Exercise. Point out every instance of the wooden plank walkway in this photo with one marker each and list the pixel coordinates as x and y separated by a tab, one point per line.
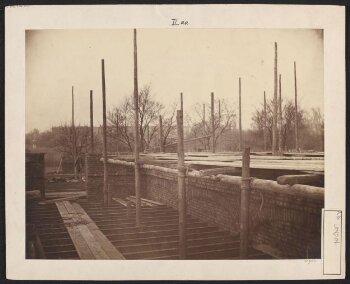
88	240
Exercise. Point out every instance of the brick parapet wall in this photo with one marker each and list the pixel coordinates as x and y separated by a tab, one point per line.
120	179
286	221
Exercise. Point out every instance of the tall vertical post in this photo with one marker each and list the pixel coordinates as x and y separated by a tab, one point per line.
212	123
275	104
280	130
181	185
161	135
91	123
181	102
137	138
117	141
245	193
240	114
203	122
219	113
265	124
296	109
86	167
74	146
106	195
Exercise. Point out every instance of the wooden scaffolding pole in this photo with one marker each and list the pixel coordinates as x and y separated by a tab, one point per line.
245	193
203	121
106	195
161	135
181	102
137	138
117	142
275	108
280	122
181	185
91	123
240	114
265	124
296	109
74	139
212	123
219	113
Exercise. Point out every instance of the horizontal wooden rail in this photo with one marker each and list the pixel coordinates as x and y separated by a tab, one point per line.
299	179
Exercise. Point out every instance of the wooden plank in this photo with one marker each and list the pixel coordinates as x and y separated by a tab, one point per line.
217	171
79	242
60	199
269	162
300	179
60	194
106	245
143	202
93	244
149	200
120	201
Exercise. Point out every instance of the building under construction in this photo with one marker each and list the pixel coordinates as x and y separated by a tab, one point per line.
184	205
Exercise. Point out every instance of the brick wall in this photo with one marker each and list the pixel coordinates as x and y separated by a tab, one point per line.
120	179
287	222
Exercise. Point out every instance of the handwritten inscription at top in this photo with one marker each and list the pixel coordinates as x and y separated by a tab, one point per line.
177	22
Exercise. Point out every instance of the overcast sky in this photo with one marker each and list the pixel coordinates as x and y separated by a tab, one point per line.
193	61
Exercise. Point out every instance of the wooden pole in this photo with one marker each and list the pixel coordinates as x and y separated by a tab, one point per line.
181	102
275	108
245	192
265	124
91	123
181	185
240	114
161	138
296	109
87	176
74	139
205	144
137	138
212	123
106	195
219	113
117	142
280	117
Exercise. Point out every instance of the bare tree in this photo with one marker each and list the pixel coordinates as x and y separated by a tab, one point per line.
120	124
288	123
64	141
224	119
169	125
316	128
121	120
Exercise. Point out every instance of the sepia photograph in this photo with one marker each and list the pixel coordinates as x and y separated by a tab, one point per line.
175	142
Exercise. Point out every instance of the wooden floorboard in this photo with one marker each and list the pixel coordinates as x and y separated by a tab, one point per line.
79	242
106	245
88	240
91	241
